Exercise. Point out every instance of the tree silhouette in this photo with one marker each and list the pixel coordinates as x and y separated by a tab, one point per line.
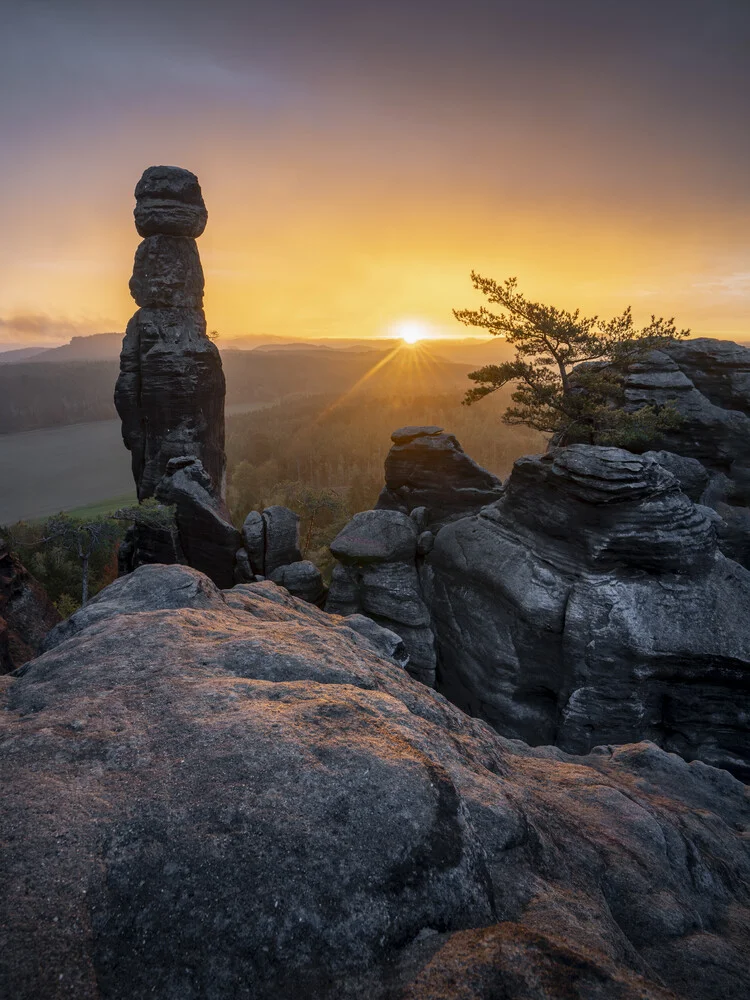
567	373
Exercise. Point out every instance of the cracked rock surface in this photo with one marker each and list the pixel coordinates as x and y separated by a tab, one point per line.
233	794
592	605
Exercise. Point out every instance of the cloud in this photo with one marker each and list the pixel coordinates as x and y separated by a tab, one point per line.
735	284
29	329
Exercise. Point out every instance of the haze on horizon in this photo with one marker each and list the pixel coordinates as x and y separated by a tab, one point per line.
358	160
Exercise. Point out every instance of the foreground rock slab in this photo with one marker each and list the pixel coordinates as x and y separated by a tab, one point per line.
213	795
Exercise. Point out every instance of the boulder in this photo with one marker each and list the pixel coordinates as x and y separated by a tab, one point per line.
207	537
302	579
213	795
378	577
591	605
254	538
168	200
427	468
243	570
281	538
26	612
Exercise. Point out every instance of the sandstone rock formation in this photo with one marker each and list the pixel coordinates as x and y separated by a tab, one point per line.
207	537
588	604
591	605
708	382
377	576
427	468
224	795
302	579
170	397
26	613
170	393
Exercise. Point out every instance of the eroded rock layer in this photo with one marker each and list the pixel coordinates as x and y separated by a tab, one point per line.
377	576
236	795
591	605
170	393
708	382
427	468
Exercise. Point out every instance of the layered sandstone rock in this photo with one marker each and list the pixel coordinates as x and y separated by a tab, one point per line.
708	382
377	576
170	393
427	468
208	539
212	795
591	605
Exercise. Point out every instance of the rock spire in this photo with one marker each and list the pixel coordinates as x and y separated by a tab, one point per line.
170	393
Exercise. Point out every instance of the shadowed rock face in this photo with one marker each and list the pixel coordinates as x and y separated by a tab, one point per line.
708	381
170	393
208	538
428	468
377	576
26	613
168	200
591	605
215	795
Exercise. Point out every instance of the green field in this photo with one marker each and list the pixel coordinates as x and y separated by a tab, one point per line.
81	467
104	507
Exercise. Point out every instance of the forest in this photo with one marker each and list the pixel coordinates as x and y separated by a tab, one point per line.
321	455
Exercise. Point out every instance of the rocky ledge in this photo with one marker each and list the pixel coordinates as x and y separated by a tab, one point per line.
235	794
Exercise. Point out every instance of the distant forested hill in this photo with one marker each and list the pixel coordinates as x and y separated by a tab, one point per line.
51	394
39	394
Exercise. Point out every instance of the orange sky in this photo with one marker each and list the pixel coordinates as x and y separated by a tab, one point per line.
342	199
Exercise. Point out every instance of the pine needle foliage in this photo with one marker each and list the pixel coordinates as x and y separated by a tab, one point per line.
567	375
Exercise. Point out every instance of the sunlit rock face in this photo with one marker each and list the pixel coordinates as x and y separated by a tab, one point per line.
428	468
591	605
170	393
233	794
708	382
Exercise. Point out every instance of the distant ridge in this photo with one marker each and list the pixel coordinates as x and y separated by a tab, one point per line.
97	347
20	354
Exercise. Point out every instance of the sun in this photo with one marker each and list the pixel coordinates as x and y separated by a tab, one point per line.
411	331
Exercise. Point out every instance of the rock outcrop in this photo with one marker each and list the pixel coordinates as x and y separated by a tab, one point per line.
591	605
214	795
377	576
208	539
26	612
708	382
170	393
427	468
170	397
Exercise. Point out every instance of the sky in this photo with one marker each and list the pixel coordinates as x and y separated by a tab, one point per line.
358	160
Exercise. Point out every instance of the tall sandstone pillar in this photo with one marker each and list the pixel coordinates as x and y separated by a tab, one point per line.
170	392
